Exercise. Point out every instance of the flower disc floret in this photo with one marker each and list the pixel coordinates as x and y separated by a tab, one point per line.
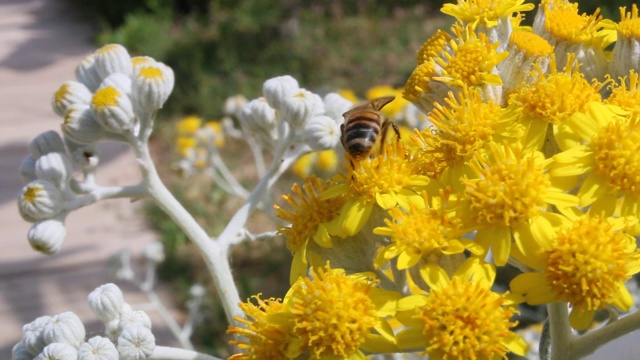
629	26
434	46
531	44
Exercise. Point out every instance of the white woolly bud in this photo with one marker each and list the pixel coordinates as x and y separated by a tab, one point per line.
335	105
152	86
55	168
70	93
19	352
81	126
277	89
28	169
64	328
106	302
32	336
98	348
39	200
233	105
120	81
113	109
300	107
87	73
154	252
136	343
47	142
47	236
258	117
112	329
113	58
134	318
58	351
322	133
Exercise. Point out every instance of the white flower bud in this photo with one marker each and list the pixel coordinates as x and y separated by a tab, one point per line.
70	93
233	105
335	105
154	252
138	62
45	143
32	336
19	352
120	81
113	109
81	126
113	58
152	85
134	318
112	329
106	302
258	117
47	236
58	351
28	169
39	200
55	168
87	73
322	133
98	348
277	89
64	328
136	343
300	107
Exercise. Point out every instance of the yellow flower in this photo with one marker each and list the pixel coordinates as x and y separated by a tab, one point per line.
307	215
188	125
265	338
349	95
423	235
303	166
336	316
327	161
434	46
461	318
386	180
485	12
609	156
186	146
510	188
527	52
626	93
541	105
583	262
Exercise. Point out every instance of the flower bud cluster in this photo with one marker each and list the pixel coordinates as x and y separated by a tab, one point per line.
128	332
112	93
286	110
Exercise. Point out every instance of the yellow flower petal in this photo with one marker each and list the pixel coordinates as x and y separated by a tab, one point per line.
591	189
434	276
534	288
579	319
386	200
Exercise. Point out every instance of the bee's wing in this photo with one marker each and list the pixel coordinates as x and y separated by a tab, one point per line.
372	105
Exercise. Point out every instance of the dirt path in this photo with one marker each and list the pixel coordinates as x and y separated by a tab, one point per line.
41	43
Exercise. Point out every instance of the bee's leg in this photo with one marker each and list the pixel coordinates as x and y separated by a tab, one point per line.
385	128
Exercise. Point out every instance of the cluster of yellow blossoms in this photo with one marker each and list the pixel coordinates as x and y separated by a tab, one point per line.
532	159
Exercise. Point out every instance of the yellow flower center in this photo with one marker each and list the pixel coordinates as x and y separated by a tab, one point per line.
629	27
62	92
433	46
306	212
587	263
616	149
540	100
32	193
265	339
188	125
564	23
531	44
333	312
473	326
108	48
628	98
107	96
418	82
150	73
510	186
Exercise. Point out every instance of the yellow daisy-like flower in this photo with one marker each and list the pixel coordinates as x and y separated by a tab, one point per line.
609	155
626	93
337	316
186	145
462	128
527	52
421	236
542	106
583	262
627	48
386	180
265	338
188	125
510	188
307	215
418	88
303	166
461	318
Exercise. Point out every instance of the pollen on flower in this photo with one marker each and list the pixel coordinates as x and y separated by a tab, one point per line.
333	312
433	46
474	326
150	73
531	44
510	186
587	263
104	97
564	23
265	339
616	150
629	27
418	82
306	212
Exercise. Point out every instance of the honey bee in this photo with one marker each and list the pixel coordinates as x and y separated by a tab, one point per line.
362	126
